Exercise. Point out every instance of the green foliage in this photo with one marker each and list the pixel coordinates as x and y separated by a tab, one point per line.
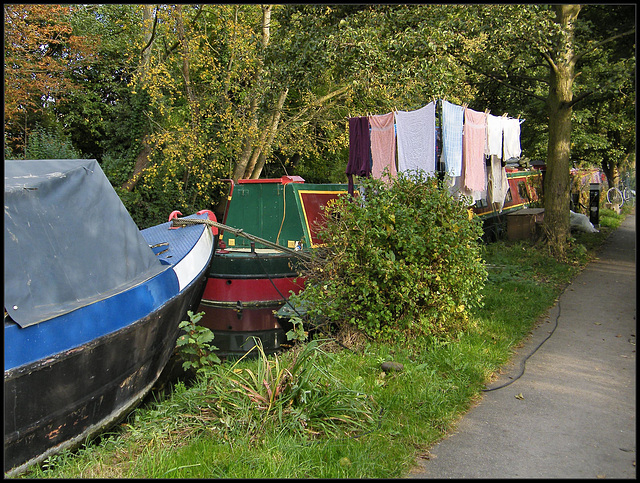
194	346
293	394
177	94
40	49
45	144
297	333
400	263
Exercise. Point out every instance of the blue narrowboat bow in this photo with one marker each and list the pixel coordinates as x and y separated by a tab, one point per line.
92	305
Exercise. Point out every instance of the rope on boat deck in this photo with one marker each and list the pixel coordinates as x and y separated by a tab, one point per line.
240	232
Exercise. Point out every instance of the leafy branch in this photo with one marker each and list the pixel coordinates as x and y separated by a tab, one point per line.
194	346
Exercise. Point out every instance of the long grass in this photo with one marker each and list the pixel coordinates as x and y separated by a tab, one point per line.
322	411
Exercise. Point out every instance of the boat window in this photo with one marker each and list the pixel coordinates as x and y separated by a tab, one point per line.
508	197
522	191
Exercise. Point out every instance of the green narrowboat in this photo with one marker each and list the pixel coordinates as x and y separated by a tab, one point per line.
248	281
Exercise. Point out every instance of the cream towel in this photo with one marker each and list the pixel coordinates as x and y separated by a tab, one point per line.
494	136
511	147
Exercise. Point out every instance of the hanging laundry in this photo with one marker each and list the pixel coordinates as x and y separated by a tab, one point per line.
452	124
511	147
474	141
454	185
475	195
498	183
494	136
359	150
417	139
383	145
456	188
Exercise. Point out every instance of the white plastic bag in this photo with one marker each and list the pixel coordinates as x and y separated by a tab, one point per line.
581	222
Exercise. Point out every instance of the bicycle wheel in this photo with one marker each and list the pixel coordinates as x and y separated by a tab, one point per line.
614	196
629	196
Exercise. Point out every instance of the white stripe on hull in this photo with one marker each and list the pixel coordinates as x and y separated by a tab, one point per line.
195	261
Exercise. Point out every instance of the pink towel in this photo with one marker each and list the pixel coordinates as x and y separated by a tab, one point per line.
474	140
383	145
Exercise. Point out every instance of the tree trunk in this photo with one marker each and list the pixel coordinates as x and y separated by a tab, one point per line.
256	170
610	171
247	147
257	150
142	160
557	178
148	26
191	97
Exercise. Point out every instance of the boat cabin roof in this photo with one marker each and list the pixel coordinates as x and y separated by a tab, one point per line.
68	239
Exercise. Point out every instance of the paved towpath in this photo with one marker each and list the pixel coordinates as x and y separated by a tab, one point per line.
575	414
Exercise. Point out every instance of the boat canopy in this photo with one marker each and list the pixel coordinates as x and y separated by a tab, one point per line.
68	239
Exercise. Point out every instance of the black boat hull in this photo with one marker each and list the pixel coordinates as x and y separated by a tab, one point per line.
60	402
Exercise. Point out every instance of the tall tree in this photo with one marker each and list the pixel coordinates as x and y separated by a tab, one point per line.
562	62
604	126
102	116
40	49
539	52
145	49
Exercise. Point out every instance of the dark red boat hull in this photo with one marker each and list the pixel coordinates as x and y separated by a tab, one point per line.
242	293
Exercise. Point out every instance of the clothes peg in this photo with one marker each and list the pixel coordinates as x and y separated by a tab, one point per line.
487	111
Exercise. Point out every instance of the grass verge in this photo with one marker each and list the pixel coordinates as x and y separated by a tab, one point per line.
329	412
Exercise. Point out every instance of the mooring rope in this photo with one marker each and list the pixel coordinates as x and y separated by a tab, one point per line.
240	232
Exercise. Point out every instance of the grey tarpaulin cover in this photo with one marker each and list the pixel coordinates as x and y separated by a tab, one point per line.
68	239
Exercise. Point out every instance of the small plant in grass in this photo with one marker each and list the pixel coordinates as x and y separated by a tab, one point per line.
292	394
194	345
400	262
297	333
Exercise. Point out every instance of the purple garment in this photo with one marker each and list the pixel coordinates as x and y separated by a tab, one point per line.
359	149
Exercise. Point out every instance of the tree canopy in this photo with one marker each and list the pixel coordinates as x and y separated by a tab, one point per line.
41	52
173	98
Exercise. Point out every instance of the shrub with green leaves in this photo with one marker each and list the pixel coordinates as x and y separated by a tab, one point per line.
400	261
50	144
